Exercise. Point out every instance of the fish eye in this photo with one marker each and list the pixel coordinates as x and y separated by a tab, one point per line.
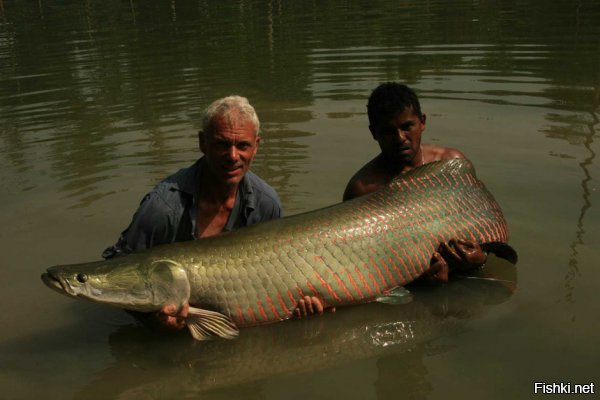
82	278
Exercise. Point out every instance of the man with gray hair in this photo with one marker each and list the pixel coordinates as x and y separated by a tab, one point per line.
217	193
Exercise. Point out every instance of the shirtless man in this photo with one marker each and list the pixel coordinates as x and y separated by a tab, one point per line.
397	124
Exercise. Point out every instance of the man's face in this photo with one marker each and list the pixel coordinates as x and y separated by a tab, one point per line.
229	148
400	138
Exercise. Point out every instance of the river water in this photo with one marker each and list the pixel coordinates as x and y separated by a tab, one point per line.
100	100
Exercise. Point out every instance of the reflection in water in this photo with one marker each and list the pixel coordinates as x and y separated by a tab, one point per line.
126	93
586	193
579	130
573	133
112	85
101	99
151	366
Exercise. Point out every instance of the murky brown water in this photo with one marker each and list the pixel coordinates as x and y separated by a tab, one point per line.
99	100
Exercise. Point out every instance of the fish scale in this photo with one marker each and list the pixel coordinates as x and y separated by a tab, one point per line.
353	252
306	255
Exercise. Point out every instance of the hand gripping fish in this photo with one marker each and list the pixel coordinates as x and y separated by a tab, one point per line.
354	252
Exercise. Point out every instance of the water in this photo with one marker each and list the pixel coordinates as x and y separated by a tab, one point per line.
101	100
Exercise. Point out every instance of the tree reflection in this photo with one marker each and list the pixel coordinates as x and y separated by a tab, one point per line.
94	80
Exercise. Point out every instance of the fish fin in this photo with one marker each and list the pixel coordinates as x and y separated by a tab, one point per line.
501	250
205	324
397	295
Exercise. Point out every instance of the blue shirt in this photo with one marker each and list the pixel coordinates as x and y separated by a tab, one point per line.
168	213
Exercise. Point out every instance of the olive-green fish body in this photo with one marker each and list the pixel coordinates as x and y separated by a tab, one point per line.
354	252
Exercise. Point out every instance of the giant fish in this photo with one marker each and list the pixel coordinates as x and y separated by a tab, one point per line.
358	251
331	343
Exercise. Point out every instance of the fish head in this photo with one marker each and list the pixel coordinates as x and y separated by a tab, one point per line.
125	282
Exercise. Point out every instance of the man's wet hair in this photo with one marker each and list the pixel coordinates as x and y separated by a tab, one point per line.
235	108
389	98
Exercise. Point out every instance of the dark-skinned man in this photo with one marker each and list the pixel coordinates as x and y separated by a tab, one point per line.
397	124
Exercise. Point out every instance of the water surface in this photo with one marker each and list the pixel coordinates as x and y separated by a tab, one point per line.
101	100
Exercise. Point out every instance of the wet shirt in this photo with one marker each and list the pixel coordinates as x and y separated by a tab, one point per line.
168	213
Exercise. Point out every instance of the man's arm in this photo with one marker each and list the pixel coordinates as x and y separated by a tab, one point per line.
149	227
353	189
362	183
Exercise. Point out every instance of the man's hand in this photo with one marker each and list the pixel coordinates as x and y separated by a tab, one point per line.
172	318
309	305
438	270
462	255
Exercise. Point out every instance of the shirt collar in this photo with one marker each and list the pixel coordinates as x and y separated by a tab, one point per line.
191	183
247	191
191	179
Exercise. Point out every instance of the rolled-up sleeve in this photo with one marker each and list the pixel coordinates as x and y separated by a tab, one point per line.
149	227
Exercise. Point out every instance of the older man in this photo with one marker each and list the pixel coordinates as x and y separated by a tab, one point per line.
217	193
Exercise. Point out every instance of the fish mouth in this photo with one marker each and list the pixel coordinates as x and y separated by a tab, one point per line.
53	282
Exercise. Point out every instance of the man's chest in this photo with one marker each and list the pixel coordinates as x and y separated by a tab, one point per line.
211	219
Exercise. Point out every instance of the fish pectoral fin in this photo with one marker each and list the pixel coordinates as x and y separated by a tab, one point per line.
501	250
397	295
206	324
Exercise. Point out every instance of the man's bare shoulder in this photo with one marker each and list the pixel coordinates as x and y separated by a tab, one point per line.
434	152
366	180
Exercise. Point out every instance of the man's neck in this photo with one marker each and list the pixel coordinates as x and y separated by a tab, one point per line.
395	167
216	191
215	204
